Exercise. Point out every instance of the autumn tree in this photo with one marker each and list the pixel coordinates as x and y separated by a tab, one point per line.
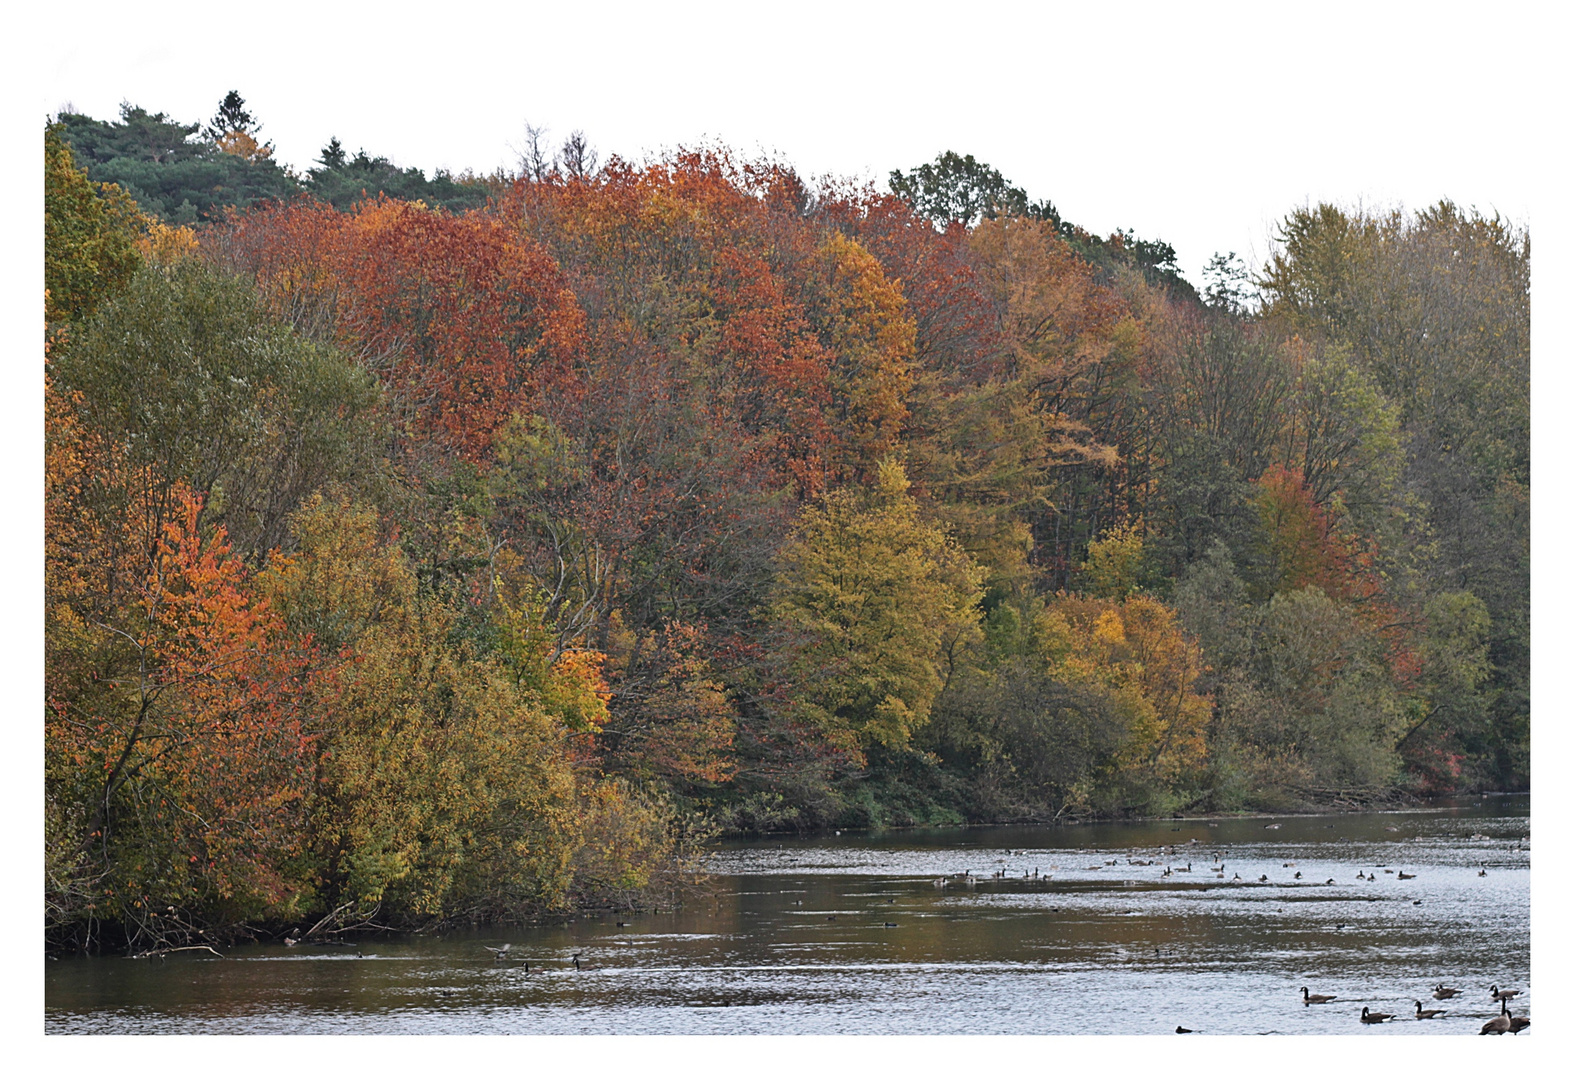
204	390
874	606
177	756
90	235
1435	308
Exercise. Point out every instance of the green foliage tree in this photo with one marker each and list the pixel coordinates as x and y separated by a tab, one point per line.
1322	711
202	387
231	118
343	181
181	180
954	188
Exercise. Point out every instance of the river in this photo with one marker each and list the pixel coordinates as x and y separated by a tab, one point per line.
933	931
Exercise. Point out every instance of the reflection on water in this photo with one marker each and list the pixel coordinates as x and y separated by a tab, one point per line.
1002	930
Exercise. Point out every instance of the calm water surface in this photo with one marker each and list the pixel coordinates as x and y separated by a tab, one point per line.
856	934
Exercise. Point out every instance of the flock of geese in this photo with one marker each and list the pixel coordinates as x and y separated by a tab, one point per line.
1499	1025
1503	1023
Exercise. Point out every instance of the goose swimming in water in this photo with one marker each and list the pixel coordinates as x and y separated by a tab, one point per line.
1444	993
1375	1018
1503	995
1315	999
1428	1014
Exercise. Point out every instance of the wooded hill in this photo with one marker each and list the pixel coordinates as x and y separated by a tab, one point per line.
476	548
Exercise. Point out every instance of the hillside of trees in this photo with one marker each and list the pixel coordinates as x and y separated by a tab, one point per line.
421	550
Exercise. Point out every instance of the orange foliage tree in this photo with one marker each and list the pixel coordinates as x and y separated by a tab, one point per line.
177	760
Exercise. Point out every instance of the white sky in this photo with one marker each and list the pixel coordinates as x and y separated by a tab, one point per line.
1201	124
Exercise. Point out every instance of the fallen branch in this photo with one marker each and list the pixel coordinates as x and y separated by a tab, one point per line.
178	948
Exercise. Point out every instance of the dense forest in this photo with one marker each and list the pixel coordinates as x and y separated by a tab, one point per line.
479	547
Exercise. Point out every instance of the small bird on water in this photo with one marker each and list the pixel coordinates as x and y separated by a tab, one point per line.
500	953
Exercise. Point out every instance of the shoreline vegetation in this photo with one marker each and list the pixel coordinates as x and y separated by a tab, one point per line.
423	551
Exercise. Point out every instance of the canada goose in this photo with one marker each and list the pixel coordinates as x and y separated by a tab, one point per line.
1482	872
1444	993
1371	878
576	959
1329	882
1499	1024
1518	1023
1405	876
1504	995
1276	825
891	924
1188	1031
1428	1014
1374	1018
1236	877
1315	999
1263	877
1298	875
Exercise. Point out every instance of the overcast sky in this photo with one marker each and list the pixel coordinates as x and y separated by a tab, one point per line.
1198	124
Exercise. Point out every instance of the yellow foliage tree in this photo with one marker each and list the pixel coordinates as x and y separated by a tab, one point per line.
863	320
1134	652
875	604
